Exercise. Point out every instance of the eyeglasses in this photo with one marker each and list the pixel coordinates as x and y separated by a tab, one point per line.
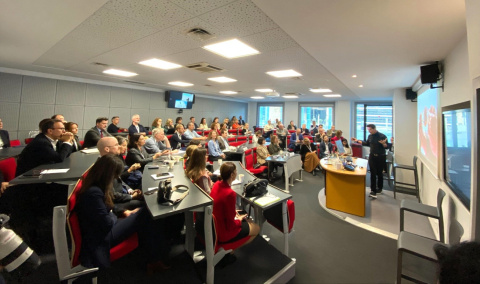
58	128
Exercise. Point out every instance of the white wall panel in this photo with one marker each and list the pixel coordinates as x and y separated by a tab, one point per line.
70	93
91	114
32	114
10	87
9	113
97	95
120	97
38	90
72	114
140	99
123	114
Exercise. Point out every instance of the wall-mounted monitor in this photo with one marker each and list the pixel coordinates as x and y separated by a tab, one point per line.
457	150
179	100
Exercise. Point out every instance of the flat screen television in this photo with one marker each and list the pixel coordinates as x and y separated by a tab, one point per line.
457	150
180	100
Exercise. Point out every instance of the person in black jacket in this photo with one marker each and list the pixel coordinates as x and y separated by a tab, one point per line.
178	138
95	133
326	148
136	127
72	127
137	154
4	137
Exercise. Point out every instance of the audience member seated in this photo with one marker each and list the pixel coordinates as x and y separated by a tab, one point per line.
4	137
179	138
3	184
188	154
308	153
348	150
191	134
95	133
268	129
313	128
326	148
458	264
226	121
291	126
157	123
240	120
158	143
282	134
331	132
320	134
100	227
296	140
192	120
223	126
213	148
215	127
58	117
262	154
304	130
136	152
131	175
231	226
178	121
203	124
113	128
338	137
197	169
51	146
223	139
230	124
246	127
124	197
255	137
274	147
235	124
277	122
169	128
136	127
215	120
72	127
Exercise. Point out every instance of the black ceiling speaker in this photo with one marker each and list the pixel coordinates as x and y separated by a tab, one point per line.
410	94
430	74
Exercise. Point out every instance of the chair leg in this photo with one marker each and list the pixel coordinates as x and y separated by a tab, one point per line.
402	219
399	266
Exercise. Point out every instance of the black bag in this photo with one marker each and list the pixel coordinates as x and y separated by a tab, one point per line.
165	193
257	187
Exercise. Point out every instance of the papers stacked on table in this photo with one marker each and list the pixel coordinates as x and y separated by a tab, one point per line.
155	177
90	151
265	200
54	171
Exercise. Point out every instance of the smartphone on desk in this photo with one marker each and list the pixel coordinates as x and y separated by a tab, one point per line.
163	174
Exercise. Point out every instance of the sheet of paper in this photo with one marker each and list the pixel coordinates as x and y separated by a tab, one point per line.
217	172
152	188
236	182
170	175
265	200
362	162
90	151
54	171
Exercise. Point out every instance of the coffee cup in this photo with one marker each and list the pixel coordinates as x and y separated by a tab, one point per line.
220	161
240	177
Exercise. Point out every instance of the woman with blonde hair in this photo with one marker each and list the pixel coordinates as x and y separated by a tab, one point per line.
308	153
169	128
188	154
197	169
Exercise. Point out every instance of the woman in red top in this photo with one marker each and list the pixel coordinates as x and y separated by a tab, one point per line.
230	225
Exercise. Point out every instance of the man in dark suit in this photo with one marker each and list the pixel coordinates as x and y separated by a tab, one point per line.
51	146
178	138
241	121
136	127
113	128
96	133
296	140
4	137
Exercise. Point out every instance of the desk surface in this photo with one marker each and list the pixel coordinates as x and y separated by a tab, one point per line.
280	159
196	198
11	152
331	168
77	163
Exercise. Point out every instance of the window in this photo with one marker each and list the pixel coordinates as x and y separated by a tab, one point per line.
378	114
321	114
270	111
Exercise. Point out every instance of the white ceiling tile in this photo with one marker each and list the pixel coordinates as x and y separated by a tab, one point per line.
199	7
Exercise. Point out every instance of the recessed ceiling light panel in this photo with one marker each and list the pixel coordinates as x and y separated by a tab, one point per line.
180	84
231	49
228	92
354	76
290	96
319	90
332	96
264	90
360	86
160	64
122	73
257	97
284	73
222	79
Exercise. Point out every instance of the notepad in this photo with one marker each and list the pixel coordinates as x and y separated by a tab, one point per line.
236	182
217	172
90	151
170	175
54	171
266	199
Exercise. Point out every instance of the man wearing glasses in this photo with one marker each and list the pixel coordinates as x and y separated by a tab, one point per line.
51	146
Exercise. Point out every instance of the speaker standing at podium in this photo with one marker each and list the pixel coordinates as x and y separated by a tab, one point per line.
376	160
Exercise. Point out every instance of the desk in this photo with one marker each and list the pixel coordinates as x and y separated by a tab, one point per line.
77	162
258	209
345	190
9	152
290	164
196	200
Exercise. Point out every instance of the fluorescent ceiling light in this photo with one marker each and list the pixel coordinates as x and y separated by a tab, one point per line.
290	96
180	84
231	49
332	96
222	79
354	76
360	86
264	90
228	92
320	90
257	97
284	73
120	73
157	63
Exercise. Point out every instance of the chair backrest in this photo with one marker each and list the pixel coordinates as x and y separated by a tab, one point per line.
81	142
60	240
8	167
231	139
440	197
248	161
254	155
415	162
274	216
28	140
74	224
14	143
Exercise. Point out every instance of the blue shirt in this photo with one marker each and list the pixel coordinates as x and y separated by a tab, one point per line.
214	149
191	134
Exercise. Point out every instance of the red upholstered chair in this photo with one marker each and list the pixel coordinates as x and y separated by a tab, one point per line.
274	216
169	136
231	139
116	252
205	132
8	167
200	133
249	162
28	140
250	139
149	132
291	131
15	143
81	142
233	131
236	143
242	138
357	150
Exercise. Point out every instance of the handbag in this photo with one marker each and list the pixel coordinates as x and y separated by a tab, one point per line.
257	187
165	190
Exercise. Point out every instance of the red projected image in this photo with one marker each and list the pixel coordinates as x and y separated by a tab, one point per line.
427	132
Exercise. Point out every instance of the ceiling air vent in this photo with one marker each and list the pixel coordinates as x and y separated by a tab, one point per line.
200	34
273	94
133	82
204	67
100	64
